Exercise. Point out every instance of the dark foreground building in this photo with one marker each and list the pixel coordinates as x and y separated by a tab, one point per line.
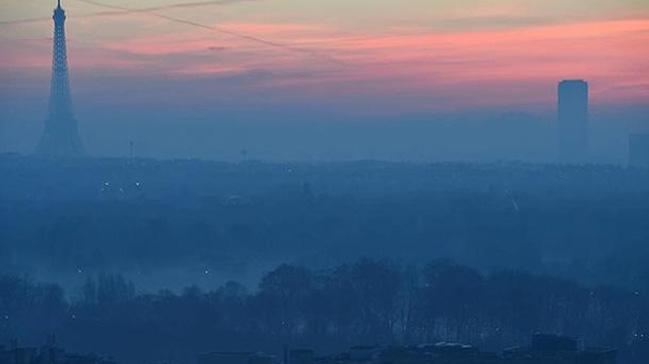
47	355
545	349
551	349
236	358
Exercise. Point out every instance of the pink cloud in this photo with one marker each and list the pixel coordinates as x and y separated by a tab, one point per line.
475	68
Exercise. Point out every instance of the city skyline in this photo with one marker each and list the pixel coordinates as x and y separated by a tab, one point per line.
217	77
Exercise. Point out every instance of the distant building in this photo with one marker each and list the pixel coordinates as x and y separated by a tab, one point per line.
572	123
639	150
61	135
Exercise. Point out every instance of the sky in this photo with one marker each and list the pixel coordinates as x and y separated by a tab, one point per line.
362	59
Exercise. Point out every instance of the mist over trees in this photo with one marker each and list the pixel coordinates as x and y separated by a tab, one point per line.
166	223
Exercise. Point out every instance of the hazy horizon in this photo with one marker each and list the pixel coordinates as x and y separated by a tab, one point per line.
287	80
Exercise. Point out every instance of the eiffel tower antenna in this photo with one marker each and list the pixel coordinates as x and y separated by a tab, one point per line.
61	135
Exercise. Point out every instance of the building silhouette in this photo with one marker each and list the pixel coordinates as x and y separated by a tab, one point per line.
61	135
544	349
47	354
639	150
573	121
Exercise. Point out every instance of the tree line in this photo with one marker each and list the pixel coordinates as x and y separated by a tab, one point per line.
365	302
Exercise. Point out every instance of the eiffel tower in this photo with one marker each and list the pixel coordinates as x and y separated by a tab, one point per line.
61	135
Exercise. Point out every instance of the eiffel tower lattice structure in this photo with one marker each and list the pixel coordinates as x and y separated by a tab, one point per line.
61	134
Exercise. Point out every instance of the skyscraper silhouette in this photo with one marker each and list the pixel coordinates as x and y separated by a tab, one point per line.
573	121
61	135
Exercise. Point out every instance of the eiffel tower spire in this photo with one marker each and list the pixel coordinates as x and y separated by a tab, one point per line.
61	135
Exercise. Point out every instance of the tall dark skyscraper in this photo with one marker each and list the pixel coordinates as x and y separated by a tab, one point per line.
61	135
573	121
